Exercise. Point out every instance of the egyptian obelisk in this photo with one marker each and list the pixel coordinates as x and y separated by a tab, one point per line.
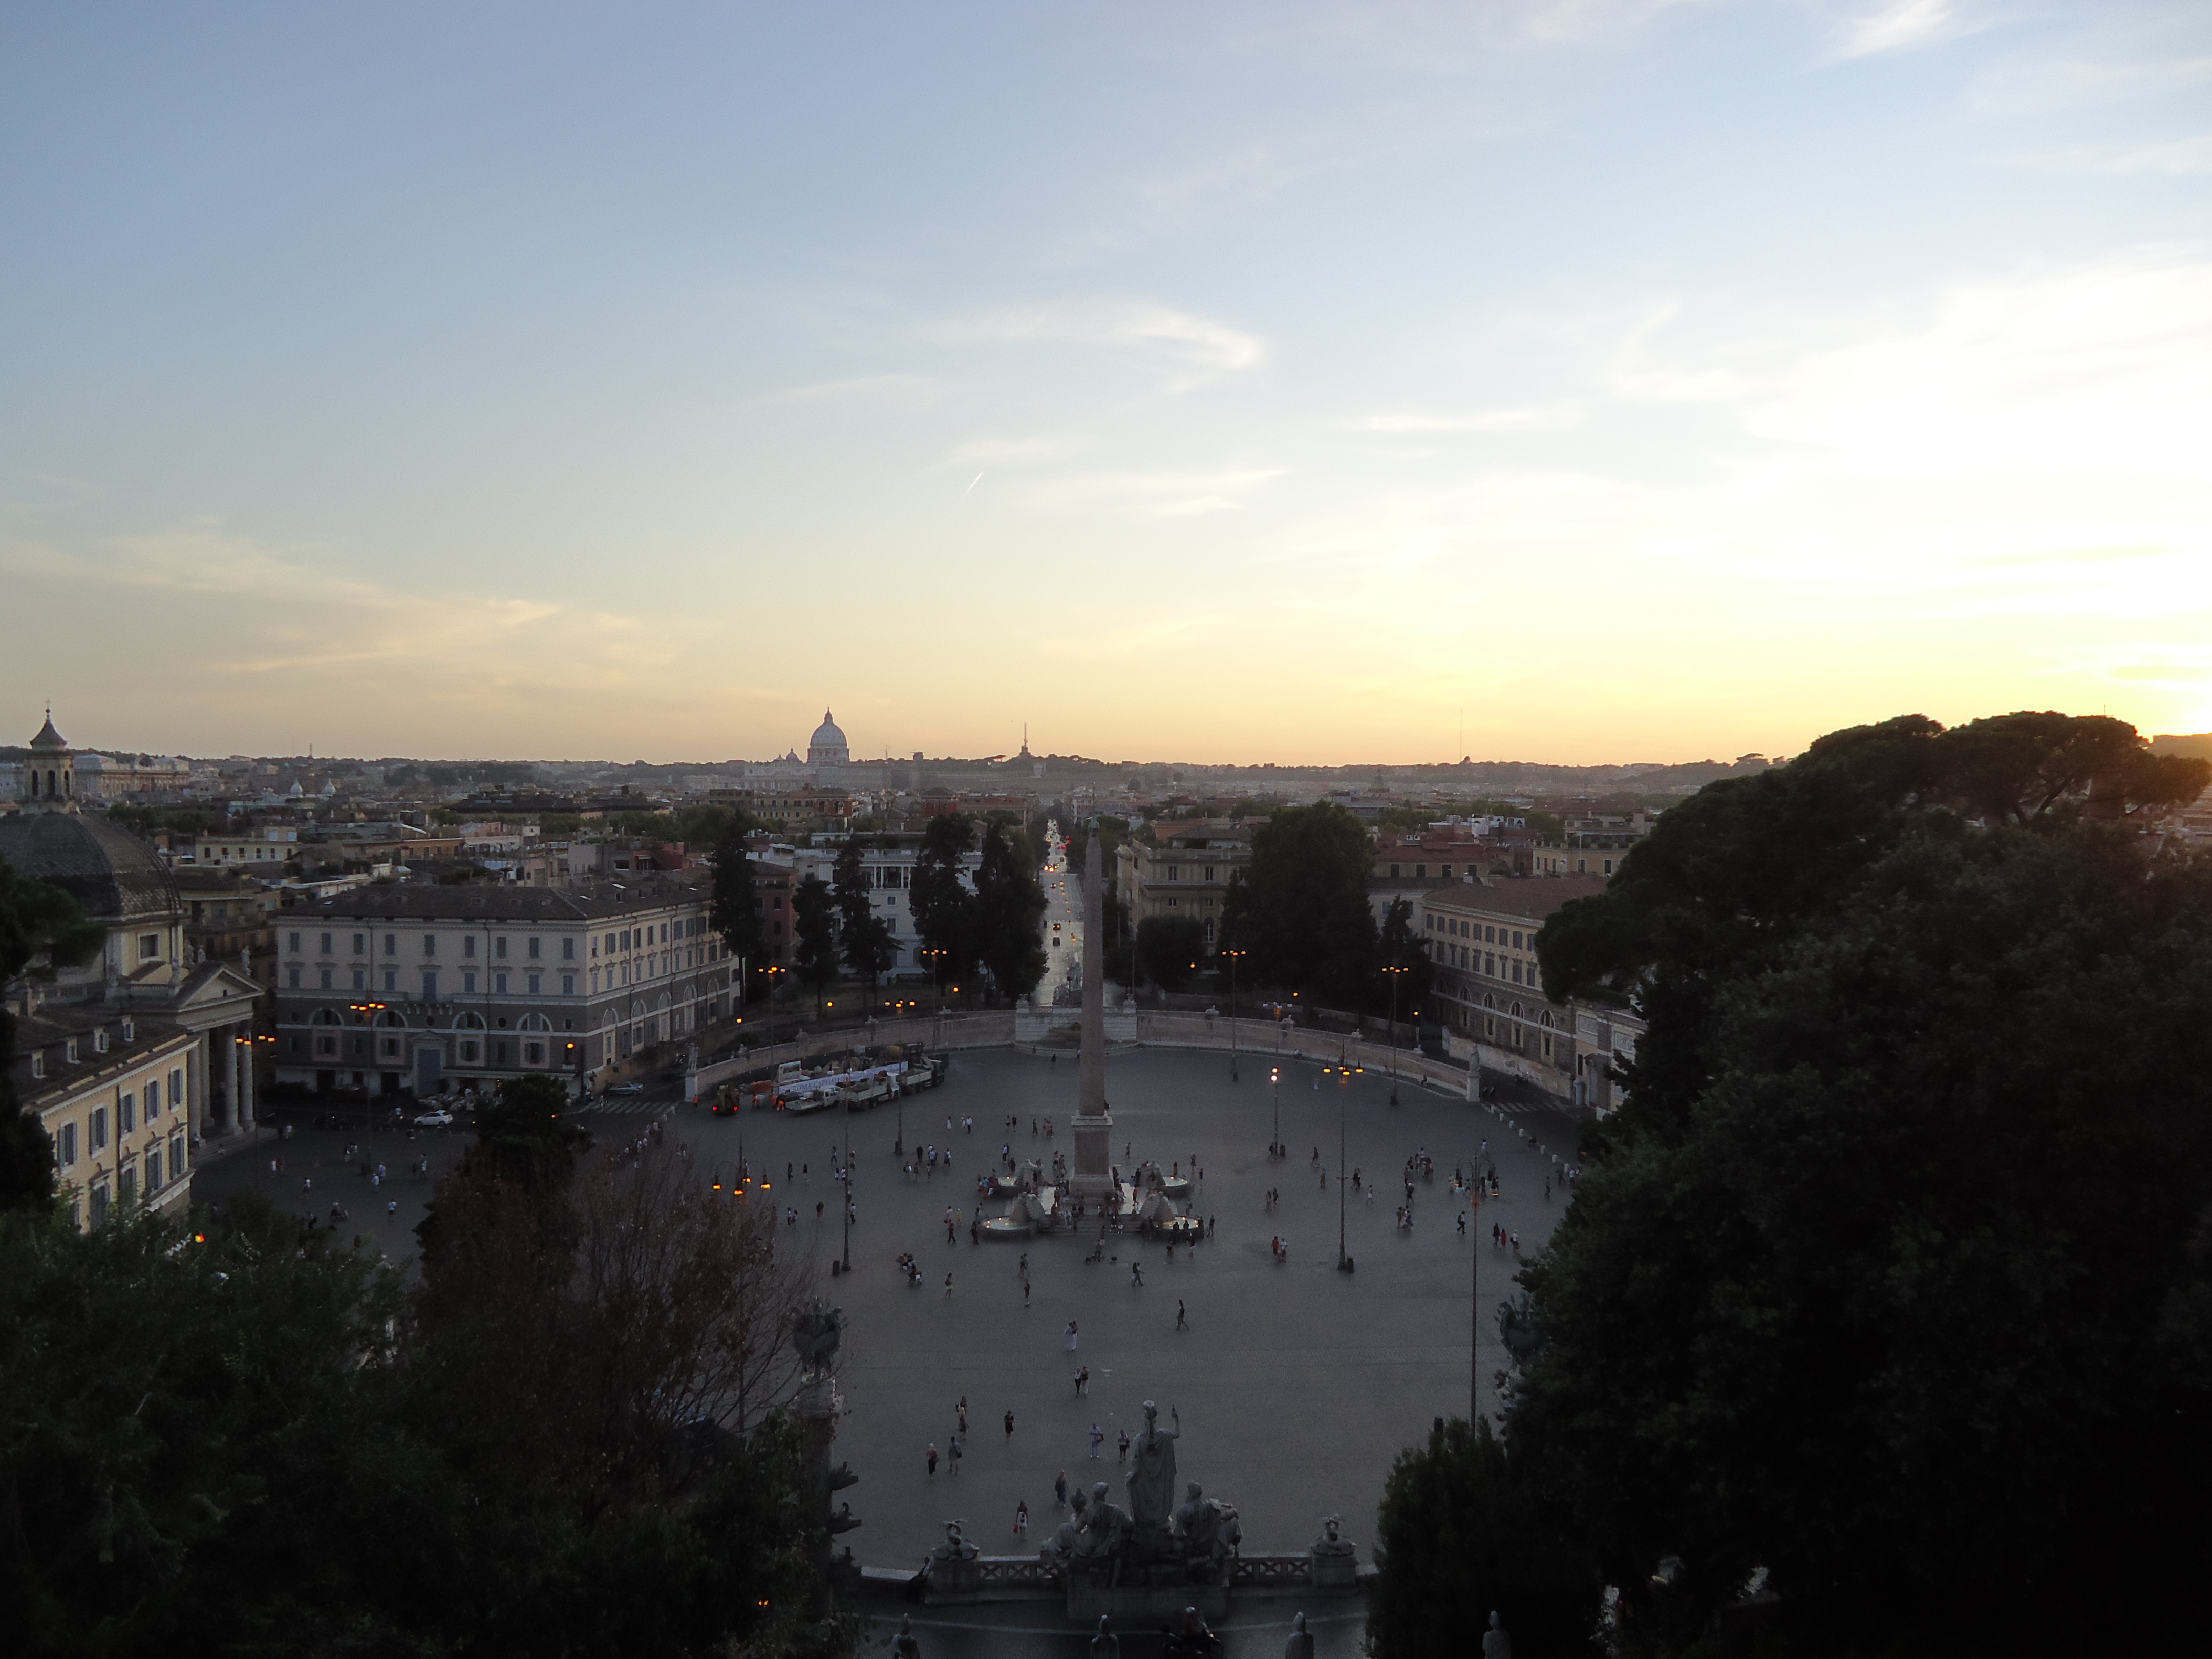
1092	1176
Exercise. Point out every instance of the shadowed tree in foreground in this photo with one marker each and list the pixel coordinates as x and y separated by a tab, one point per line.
1890	1277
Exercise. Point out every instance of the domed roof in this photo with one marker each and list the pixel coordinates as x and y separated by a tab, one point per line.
828	735
48	737
108	870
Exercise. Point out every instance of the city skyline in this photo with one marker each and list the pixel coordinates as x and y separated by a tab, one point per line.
1612	383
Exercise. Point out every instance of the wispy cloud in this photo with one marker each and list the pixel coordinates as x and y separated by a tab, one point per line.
1191	349
1153	494
1900	26
1546	417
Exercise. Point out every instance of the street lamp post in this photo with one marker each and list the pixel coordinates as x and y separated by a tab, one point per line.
1232	956
1275	1088
1396	971
1343	1098
848	1184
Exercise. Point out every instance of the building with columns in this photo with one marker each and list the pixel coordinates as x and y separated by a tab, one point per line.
185	1013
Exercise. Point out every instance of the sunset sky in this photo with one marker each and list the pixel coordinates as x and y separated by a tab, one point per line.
1220	382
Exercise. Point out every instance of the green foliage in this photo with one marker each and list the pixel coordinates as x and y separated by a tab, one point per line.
945	910
1171	950
527	1133
248	1445
559	825
1300	908
1892	1275
1404	960
734	909
814	950
41	930
1463	1534
1009	909
870	946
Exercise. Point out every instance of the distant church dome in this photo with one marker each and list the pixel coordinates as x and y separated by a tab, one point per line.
827	747
109	871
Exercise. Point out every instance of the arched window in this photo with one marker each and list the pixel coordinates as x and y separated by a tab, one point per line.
393	1019
536	1022
468	1021
327	1017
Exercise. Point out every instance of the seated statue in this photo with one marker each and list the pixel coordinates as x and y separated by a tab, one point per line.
1207	1527
1065	1544
1331	1542
955	1547
1105	1528
1333	1558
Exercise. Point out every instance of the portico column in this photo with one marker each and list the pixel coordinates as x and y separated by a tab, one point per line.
246	1077
226	1069
196	1071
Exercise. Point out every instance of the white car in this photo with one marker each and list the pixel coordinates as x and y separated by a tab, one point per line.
627	1088
441	1119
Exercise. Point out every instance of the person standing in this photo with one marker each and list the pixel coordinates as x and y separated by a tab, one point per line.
1022	1519
931	1457
1059	1490
1097	1439
963	1410
956	1452
1121	1448
1071	1336
1010	1423
1183	1322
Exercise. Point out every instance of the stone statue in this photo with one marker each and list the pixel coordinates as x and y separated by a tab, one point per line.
955	1547
1335	1560
1207	1527
1105	1645
815	1332
1105	1528
1065	1544
1496	1644
1152	1470
1300	1645
904	1644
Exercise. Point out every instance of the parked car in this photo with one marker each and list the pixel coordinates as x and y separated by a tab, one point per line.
440	1119
627	1088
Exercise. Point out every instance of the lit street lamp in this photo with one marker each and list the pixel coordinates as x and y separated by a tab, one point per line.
1275	1088
1232	956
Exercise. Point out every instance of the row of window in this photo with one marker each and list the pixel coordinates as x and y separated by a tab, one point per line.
1460	926
327	946
502	984
126	1119
160	1171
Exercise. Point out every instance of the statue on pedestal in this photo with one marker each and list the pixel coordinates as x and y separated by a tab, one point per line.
1152	1470
1335	1558
1207	1530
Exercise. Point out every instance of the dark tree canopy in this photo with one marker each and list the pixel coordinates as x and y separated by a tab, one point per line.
1171	950
734	909
869	945
1892	1275
41	929
1010	908
814	945
1300	908
945	910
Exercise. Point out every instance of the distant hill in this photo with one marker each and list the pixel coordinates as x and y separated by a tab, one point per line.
2200	746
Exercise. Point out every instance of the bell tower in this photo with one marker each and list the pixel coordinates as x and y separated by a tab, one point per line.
49	776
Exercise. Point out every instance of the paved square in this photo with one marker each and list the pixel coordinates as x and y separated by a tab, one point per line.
1296	1385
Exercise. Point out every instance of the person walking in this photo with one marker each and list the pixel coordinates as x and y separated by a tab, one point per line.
930	1456
1137	1275
956	1453
1010	1423
963	1409
948	1284
1022	1519
1059	1490
1182	1323
1121	1448
1083	1379
1097	1439
1071	1335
